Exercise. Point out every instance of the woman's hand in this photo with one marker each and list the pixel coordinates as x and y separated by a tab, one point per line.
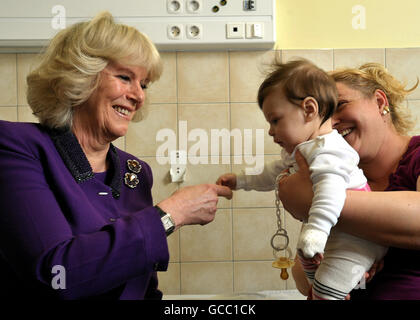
374	269
194	204
228	180
295	191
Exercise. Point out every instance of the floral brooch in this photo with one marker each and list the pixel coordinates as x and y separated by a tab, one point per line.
130	178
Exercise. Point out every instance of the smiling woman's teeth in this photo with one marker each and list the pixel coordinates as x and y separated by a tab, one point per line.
121	110
346	132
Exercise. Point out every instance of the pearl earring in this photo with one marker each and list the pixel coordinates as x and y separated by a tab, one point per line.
386	110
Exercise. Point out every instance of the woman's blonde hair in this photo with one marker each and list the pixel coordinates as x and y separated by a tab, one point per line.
69	69
373	76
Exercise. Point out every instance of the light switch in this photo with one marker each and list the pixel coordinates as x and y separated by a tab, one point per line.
255	30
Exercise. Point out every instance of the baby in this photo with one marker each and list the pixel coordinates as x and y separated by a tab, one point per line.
298	100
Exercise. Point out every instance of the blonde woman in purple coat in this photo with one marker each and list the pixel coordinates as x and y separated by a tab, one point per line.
71	201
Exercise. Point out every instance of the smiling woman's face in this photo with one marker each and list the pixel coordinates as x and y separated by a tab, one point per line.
112	106
358	119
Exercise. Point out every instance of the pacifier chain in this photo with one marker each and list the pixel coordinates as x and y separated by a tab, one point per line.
281	247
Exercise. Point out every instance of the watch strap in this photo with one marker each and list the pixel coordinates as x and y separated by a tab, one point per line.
161	212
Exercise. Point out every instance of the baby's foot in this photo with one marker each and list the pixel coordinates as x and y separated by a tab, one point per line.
312	242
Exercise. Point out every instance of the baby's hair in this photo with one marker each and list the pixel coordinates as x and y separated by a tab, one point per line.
373	76
300	79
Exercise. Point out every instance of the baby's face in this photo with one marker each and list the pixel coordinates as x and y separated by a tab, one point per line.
288	124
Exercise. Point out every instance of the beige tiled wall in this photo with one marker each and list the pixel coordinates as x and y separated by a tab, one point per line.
215	90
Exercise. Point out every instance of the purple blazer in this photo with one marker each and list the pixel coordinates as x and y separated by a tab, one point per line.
55	211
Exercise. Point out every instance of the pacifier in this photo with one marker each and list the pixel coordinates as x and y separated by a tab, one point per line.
283	263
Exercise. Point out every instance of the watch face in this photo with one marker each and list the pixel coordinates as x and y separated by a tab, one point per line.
167	223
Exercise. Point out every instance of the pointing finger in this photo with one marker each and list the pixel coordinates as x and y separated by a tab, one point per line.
224	191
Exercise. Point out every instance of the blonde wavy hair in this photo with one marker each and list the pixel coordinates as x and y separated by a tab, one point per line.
69	69
373	76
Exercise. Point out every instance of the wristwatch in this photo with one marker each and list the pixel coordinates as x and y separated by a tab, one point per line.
167	221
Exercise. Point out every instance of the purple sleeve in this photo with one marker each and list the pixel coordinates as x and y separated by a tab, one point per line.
35	234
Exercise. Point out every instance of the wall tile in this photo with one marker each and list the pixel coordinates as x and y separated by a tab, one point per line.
254	276
169	281
206	117
8	81
173	246
162	185
25	114
245	81
293	228
8	113
141	136
252	232
119	143
404	64
25	63
353	58
322	58
212	242
199	172
249	116
164	90
203	77
207	278
253	199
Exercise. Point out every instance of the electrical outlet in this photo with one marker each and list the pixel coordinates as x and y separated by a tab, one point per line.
178	157
250	5
178	173
235	31
175	31
193	6
178	165
174	6
194	31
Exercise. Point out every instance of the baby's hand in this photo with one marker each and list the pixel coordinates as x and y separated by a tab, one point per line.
228	180
312	242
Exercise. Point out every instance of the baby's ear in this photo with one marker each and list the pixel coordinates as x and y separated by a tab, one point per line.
310	108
